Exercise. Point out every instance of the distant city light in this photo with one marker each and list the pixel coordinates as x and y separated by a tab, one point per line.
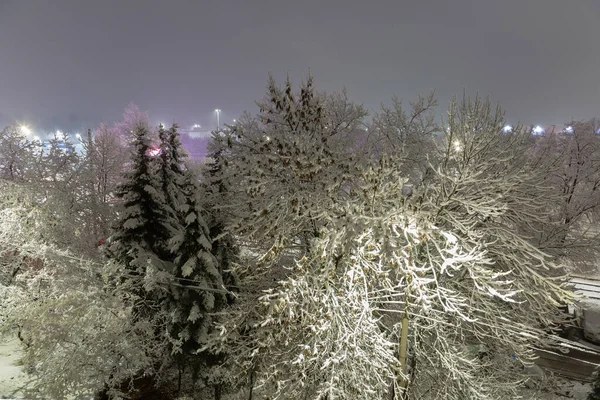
197	126
569	129
507	129
59	135
538	130
78	136
25	130
153	152
457	146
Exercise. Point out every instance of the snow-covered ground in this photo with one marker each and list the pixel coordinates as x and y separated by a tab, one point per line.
568	390
11	375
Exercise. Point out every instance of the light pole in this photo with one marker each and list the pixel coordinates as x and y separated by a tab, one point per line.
218	118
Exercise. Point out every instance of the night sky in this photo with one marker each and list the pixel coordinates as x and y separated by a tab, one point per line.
71	64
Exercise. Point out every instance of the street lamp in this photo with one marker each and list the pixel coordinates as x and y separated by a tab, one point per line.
218	118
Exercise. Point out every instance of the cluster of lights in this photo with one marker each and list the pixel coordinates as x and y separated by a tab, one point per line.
60	135
539	130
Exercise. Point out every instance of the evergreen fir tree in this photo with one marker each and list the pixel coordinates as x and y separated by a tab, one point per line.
197	287
144	229
200	290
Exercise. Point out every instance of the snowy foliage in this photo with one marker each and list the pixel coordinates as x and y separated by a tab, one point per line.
352	260
163	244
573	169
288	163
146	221
393	259
56	301
18	155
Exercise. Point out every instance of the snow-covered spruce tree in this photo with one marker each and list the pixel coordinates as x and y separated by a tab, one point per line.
215	193
146	224
140	247
437	294
198	293
197	290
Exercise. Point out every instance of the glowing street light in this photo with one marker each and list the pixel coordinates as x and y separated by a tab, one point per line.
196	126
218	118
569	129
25	130
507	129
154	152
538	130
78	136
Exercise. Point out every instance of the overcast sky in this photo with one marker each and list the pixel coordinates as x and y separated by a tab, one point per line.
70	64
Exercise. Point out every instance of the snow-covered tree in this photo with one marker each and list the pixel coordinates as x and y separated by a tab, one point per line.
438	293
106	158
17	154
571	157
146	225
55	301
287	163
407	132
197	293
197	290
170	274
